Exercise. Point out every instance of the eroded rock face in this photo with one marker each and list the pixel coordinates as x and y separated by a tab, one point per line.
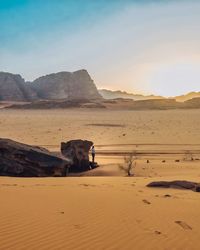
14	88
17	159
78	152
76	85
69	86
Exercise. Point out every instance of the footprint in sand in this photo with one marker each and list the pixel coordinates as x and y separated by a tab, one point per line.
9	185
157	232
77	226
183	225
146	202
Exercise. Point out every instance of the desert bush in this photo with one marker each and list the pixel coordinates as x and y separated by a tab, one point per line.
129	164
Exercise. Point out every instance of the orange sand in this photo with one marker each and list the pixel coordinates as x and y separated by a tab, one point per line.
104	212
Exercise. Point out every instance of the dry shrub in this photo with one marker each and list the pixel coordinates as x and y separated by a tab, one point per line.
129	164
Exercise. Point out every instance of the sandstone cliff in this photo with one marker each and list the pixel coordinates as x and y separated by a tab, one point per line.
66	85
63	85
14	88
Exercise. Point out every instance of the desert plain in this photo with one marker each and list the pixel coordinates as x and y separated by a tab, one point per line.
103	208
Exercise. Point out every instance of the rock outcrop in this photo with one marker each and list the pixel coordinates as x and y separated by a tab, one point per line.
14	88
17	159
78	152
194	186
77	85
57	104
157	104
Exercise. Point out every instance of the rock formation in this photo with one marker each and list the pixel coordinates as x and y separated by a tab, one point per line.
63	85
17	159
78	152
77	85
14	88
176	184
57	104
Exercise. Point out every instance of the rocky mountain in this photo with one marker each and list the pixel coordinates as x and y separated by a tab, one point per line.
66	85
63	85
14	88
109	94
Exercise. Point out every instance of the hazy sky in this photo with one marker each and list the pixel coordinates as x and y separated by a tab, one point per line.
140	46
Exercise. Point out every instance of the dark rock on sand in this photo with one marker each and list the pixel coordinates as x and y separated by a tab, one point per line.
78	152
194	186
17	159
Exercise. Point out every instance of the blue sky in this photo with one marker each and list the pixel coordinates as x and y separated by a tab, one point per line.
137	46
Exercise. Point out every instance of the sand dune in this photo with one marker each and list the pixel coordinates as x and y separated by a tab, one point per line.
96	213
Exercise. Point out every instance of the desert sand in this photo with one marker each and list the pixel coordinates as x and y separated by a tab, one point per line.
103	209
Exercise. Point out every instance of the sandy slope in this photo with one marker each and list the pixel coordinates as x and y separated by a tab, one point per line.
104	212
96	213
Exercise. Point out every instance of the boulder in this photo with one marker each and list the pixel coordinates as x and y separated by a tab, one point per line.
194	186
17	159
78	152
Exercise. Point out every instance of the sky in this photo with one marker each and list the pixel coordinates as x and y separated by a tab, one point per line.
139	46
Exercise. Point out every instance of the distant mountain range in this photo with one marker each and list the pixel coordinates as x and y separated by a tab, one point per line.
67	86
110	94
